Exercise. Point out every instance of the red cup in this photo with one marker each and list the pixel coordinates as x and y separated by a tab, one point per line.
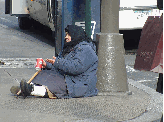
39	63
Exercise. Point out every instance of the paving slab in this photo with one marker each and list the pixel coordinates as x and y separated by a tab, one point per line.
144	105
154	109
99	108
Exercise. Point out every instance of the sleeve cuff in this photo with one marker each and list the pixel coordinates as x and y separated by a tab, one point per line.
56	64
48	65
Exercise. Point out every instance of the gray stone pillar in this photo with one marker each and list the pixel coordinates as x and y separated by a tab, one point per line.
111	74
110	16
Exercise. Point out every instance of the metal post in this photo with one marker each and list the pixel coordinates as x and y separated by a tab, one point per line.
58	25
88	17
62	38
111	74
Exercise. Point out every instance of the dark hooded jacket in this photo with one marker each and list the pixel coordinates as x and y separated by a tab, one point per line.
78	63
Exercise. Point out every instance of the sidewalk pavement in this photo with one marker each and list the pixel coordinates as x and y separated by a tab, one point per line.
144	105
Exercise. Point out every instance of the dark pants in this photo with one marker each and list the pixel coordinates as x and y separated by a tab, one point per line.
160	88
54	81
160	84
161	118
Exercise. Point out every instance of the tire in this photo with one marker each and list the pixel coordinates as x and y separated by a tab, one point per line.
36	25
24	23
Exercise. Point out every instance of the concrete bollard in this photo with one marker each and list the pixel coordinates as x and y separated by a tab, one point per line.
111	74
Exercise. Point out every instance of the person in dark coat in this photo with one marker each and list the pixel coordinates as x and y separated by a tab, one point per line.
71	74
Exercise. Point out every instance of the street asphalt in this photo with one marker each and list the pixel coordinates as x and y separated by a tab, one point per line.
19	54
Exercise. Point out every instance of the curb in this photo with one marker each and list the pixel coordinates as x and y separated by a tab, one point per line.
155	108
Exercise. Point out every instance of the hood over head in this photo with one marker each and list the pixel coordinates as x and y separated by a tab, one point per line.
78	35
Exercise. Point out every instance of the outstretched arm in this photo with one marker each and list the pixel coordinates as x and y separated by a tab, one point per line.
77	61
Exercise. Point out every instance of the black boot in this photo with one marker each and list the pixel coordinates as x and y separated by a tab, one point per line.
26	89
15	89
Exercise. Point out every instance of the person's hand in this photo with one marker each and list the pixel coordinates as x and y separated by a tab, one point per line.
52	61
44	64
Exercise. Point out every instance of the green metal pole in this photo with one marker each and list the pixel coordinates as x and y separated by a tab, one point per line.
88	17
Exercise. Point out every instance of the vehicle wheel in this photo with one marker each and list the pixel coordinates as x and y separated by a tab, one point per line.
24	23
36	25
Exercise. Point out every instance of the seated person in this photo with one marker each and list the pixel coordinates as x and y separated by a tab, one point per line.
71	74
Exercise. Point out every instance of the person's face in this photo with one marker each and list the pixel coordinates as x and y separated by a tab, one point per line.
67	37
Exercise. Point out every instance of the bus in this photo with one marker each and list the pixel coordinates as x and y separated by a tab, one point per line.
132	15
